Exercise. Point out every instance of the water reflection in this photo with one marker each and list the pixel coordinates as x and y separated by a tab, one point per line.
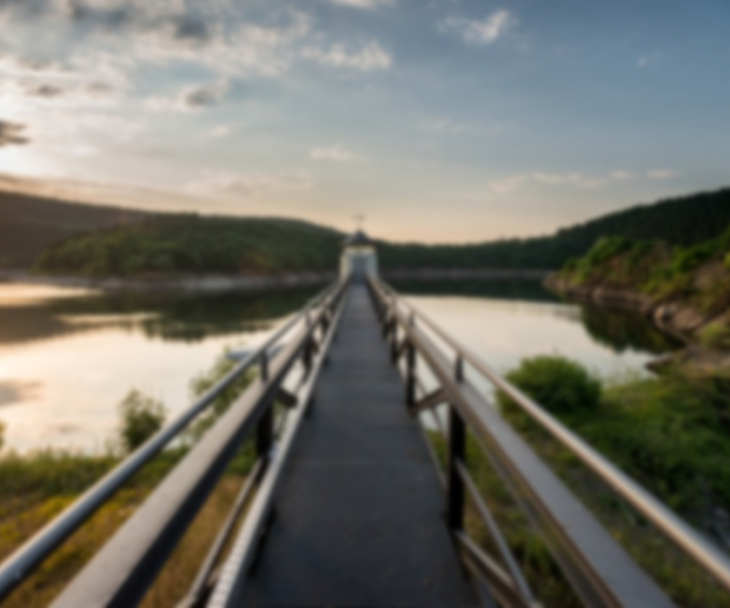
620	330
623	330
181	317
66	361
526	290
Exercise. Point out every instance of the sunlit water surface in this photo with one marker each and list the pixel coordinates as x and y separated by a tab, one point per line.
68	357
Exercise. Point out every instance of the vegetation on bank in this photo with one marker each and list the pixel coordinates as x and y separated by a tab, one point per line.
685	288
29	224
669	433
654	267
188	244
38	486
109	242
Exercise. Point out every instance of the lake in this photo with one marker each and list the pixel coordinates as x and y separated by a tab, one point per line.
68	357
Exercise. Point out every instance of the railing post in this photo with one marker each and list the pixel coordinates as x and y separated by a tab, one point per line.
410	374
264	365
394	342
308	354
265	434
455	485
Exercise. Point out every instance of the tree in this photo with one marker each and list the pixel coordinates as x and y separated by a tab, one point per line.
141	417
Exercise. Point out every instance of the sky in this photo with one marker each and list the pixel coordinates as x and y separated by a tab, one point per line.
438	120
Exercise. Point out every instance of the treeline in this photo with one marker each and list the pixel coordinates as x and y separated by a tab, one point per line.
194	244
165	243
29	224
683	221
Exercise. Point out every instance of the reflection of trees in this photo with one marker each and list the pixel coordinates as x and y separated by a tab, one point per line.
621	330
187	317
195	316
501	289
31	322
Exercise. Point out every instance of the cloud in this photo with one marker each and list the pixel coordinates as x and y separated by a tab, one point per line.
575	179
441	125
250	184
369	57
336	154
47	91
649	60
662	174
364	4
221	131
11	134
200	96
480	32
190	28
191	98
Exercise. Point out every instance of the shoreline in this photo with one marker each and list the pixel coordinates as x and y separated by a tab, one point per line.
213	283
671	316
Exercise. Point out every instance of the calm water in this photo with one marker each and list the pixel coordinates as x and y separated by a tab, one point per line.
68	357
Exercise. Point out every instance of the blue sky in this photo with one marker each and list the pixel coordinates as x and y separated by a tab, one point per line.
441	120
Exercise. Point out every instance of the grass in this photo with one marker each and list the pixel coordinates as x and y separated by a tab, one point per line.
36	487
668	433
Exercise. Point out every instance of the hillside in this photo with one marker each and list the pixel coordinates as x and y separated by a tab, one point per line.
29	224
188	244
84	239
685	290
682	221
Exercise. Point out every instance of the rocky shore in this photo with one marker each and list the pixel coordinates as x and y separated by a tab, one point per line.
684	319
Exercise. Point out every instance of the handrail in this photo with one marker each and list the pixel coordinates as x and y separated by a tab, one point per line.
243	552
15	568
141	546
702	551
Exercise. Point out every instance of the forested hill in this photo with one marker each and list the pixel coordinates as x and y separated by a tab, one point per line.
29	224
683	221
83	239
194	244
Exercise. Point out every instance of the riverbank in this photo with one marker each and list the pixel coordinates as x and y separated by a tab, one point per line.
685	293
220	283
186	283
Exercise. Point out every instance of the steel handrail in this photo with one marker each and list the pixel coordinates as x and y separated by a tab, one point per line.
702	551
16	567
142	545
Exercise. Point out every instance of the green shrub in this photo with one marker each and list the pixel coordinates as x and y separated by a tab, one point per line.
715	335
687	260
561	386
606	248
639	251
2	434
727	260
571	264
142	417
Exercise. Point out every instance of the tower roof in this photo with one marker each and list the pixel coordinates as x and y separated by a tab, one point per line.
358	239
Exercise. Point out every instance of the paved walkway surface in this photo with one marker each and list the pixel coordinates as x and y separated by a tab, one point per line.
359	512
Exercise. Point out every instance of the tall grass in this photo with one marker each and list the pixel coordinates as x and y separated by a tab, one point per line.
38	486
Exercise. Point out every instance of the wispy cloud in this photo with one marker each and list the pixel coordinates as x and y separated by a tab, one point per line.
649	60
336	153
200	96
11	134
574	179
662	174
364	4
482	32
250	184
441	125
191	98
367	58
221	131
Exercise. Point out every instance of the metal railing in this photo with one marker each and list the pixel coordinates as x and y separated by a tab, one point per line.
599	570
141	546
